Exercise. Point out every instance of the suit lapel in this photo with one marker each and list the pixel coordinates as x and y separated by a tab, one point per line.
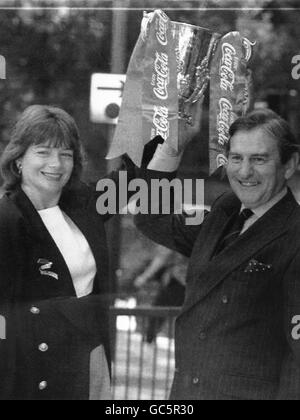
214	270
211	233
214	234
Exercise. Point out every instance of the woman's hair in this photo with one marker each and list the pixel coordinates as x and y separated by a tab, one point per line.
273	125
40	124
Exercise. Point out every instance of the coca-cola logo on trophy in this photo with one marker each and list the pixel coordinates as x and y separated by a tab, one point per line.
161	121
162	29
228	67
225	119
161	76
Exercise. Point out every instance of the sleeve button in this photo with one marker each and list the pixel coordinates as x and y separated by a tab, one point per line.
35	311
225	300
202	336
43	385
43	347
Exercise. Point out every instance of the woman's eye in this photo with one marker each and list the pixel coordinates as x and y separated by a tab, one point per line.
67	155
43	152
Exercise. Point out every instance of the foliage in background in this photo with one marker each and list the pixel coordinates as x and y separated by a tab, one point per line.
51	54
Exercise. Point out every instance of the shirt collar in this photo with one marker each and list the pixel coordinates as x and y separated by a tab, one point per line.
261	210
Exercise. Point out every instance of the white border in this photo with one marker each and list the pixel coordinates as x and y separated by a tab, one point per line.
208	9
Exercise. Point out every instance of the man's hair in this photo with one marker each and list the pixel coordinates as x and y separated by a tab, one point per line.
37	125
273	125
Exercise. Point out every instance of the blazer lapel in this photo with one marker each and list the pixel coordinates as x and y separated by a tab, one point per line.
42	239
214	270
78	206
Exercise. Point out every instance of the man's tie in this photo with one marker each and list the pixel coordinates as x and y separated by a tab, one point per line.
233	232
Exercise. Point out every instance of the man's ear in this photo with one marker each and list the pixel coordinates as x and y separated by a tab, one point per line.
292	165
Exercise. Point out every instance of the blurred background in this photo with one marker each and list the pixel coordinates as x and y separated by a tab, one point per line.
52	48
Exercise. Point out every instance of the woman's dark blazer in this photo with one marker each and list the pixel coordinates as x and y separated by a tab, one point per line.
38	300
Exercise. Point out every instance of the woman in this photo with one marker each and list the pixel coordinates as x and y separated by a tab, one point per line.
53	266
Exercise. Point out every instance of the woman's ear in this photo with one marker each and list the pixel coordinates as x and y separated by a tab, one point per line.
19	165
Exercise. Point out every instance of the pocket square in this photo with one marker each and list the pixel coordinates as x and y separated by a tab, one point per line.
45	267
255	266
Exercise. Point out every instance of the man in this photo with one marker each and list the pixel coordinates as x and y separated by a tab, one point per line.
238	336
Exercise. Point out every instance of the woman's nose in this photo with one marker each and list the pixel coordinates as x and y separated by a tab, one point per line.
54	160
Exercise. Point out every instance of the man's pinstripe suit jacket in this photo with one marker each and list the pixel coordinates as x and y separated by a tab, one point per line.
237	336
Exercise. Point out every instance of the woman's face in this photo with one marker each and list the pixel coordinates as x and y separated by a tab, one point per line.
45	172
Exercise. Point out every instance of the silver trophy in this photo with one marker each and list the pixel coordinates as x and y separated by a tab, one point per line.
171	61
195	47
195	50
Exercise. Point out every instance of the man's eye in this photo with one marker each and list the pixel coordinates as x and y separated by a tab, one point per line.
259	160
235	159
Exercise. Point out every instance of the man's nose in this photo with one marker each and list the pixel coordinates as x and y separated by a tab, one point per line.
246	169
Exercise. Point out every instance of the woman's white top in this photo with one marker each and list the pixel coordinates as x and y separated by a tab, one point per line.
73	247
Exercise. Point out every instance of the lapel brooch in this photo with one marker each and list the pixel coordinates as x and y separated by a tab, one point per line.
44	268
255	266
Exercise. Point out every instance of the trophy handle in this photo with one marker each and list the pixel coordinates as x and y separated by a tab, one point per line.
145	25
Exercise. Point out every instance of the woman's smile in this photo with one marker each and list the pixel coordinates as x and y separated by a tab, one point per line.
56	177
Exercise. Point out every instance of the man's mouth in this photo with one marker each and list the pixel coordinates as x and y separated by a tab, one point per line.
248	184
52	177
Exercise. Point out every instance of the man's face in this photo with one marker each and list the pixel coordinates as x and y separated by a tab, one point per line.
254	168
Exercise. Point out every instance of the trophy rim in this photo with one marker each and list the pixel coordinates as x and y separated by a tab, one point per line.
194	27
